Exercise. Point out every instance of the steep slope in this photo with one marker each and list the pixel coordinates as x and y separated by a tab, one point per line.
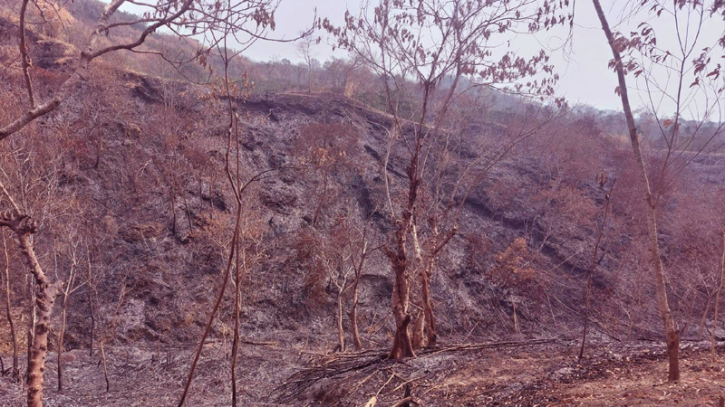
130	172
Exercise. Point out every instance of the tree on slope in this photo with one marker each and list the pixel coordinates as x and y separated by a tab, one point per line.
679	76
427	53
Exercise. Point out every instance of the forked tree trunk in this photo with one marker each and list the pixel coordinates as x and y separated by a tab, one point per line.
402	346
44	299
672	336
426	331
45	294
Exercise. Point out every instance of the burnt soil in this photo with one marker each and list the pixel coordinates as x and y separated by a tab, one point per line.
516	373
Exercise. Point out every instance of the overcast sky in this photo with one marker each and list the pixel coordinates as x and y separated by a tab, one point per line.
585	77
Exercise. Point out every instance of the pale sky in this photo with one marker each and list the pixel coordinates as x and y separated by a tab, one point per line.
584	75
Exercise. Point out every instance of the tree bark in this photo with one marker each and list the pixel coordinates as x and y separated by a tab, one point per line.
429	327
61	333
402	346
15	371
45	295
670	327
44	299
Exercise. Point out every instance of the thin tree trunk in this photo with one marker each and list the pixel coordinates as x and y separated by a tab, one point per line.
188	212
355	297
237	309
31	327
428	335
340	329
90	303
429	329
173	210
592	266
15	371
672	338
704	316
713	350
61	333
105	367
99	148
353	317
516	316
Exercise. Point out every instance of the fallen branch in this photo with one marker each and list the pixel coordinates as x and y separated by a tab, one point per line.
406	401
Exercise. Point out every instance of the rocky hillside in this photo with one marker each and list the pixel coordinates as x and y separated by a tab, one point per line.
129	183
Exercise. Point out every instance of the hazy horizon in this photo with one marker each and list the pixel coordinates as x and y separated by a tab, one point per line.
583	66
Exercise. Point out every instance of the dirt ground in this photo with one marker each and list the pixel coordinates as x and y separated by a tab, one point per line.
508	374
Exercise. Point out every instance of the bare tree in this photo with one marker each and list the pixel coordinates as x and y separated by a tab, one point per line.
438	46
361	251
305	49
45	295
71	285
682	64
230	94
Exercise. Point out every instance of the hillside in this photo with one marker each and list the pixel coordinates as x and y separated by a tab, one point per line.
128	182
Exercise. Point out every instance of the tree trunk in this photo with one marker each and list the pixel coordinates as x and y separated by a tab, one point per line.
516	315
15	372
173	210
713	351
61	333
340	330
45	295
418	331
670	327
91	307
355	296
105	367
353	318
429	327
701	331
188	212
402	347
44	299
